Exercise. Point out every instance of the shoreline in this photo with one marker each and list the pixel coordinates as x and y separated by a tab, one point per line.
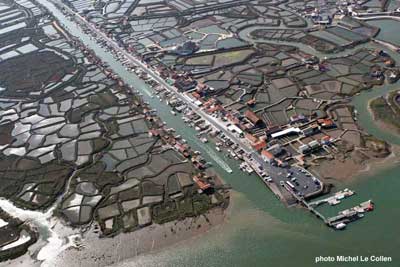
375	166
359	171
90	250
93	251
386	127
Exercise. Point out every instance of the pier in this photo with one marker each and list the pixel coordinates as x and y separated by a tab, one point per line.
344	217
333	200
306	204
350	215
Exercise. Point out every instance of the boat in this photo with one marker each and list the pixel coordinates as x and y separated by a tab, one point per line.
340	226
218	149
173	112
204	140
249	170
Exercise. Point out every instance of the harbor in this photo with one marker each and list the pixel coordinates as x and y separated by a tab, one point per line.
344	217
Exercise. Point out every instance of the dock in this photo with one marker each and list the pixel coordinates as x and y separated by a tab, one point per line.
306	204
344	217
335	199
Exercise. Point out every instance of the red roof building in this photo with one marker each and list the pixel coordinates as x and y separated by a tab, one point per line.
326	123
200	183
260	145
251	116
267	156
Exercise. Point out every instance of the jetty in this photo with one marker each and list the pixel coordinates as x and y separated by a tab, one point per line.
349	215
344	217
335	199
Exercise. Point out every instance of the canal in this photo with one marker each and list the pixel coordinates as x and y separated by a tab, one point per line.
260	230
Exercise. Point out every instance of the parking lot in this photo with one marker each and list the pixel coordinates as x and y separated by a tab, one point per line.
303	183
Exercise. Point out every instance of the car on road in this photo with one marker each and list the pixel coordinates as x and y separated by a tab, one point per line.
268	179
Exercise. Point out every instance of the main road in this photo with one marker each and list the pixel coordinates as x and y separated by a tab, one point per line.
306	184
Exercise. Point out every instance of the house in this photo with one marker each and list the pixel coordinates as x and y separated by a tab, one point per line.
326	140
259	145
303	149
314	144
251	102
214	108
326	123
267	156
196	95
311	130
300	118
252	117
253	139
185	84
200	183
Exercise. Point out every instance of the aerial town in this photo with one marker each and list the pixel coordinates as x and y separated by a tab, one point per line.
280	110
268	85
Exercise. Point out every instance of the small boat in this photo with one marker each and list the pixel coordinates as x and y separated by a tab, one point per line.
218	149
173	112
249	170
340	226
